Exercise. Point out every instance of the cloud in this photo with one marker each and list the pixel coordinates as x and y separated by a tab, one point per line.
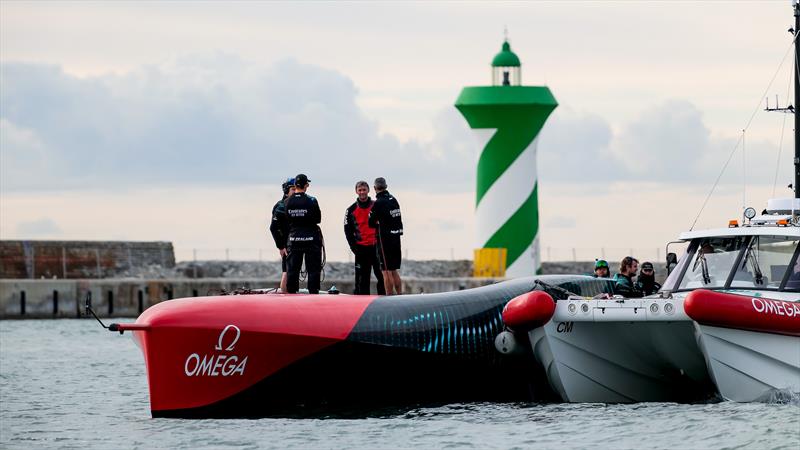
216	119
210	119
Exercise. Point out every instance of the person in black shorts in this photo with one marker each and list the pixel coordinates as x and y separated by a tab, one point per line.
385	216
305	237
279	227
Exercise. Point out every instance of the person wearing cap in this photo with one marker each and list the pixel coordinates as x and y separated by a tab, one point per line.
601	269
624	284
279	227
361	239
385	217
305	238
646	282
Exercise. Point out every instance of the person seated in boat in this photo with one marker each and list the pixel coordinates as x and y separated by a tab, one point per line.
601	269
646	281
624	284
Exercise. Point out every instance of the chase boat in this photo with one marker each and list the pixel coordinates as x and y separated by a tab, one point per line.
726	321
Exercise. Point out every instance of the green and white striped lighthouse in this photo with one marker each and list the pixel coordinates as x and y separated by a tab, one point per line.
507	118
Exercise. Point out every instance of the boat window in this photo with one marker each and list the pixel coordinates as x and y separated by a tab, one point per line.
712	262
675	274
765	262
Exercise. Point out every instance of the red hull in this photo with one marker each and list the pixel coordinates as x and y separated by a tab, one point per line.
743	312
199	351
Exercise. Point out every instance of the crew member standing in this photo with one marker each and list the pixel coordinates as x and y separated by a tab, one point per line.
361	239
646	281
279	227
385	216
305	237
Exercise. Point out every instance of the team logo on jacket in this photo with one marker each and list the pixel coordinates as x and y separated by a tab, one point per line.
222	362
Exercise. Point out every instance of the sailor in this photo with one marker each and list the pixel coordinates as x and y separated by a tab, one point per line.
601	269
385	216
646	281
624	285
305	238
279	227
361	239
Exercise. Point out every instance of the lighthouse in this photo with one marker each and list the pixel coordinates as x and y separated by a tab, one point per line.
506	117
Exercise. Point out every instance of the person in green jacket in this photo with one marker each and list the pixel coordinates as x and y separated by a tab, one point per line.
624	279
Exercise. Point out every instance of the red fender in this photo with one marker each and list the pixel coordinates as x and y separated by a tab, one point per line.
529	311
743	312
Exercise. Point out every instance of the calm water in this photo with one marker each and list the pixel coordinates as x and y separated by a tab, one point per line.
68	383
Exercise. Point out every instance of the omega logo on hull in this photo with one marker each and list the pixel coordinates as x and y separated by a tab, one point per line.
218	364
777	307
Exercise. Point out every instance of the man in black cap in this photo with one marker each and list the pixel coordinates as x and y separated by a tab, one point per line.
646	281
279	227
305	237
385	216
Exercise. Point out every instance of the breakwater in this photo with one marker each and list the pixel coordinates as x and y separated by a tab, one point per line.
38	299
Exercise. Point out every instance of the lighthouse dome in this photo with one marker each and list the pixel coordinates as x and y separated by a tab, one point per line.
506	58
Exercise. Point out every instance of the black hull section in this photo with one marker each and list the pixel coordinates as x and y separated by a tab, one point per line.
356	380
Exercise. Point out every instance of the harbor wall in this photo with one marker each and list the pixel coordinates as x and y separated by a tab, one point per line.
41	299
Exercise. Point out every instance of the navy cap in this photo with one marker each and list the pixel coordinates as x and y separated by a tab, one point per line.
301	180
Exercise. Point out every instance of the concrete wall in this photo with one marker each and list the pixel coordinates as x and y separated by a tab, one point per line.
32	299
79	259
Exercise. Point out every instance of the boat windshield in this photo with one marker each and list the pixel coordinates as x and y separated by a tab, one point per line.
760	262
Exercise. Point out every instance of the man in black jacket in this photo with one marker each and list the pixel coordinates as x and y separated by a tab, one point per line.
361	239
385	216
279	227
305	238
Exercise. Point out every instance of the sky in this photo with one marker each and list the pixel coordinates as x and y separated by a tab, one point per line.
177	121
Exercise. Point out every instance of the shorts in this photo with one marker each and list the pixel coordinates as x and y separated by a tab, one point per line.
284	265
388	249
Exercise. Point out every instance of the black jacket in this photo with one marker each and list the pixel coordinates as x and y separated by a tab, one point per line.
385	215
279	227
303	216
648	285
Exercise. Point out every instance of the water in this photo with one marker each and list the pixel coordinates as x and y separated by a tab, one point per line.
70	384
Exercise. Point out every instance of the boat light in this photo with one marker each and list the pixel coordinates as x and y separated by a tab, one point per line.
654	308
749	212
572	308
733	223
782	222
669	308
585	308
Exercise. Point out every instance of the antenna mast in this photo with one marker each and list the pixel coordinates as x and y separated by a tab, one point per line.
790	109
796	5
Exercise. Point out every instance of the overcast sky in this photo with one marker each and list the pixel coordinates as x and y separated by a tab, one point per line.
177	121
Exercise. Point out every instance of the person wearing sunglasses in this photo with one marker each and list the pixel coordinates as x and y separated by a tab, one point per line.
646	282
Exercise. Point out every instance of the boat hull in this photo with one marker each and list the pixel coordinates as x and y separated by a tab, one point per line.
622	362
751	343
306	355
749	366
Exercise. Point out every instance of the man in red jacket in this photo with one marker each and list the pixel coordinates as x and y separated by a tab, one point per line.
361	239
